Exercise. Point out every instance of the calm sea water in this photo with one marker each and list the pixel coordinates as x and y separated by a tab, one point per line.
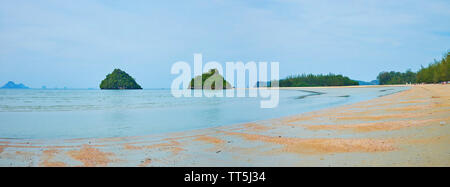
66	114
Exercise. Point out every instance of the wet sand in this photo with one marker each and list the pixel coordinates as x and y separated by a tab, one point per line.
410	128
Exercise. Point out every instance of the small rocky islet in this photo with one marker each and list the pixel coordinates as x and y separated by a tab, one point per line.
209	80
119	80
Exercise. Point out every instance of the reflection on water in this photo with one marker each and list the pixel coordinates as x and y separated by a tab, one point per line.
310	93
111	113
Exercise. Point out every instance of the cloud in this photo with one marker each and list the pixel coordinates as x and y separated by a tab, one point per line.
147	37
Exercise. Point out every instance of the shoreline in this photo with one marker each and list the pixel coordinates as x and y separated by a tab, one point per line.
328	137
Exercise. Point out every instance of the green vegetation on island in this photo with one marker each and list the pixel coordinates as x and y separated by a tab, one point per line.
119	79
209	80
306	80
436	72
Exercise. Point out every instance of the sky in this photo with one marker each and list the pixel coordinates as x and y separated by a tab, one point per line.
75	43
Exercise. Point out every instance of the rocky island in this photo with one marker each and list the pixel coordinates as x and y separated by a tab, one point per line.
119	80
12	85
209	80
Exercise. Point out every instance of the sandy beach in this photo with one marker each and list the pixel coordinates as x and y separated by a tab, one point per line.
409	128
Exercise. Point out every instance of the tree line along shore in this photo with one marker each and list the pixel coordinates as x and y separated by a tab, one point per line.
436	72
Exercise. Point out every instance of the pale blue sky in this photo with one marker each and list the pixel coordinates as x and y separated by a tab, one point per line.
76	43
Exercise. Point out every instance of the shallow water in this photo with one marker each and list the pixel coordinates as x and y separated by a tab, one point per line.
67	114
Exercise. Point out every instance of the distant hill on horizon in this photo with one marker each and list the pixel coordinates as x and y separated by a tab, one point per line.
12	85
374	82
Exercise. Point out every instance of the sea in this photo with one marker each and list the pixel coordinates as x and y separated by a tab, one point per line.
83	113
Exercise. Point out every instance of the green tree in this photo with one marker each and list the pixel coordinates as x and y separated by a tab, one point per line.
396	77
438	71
